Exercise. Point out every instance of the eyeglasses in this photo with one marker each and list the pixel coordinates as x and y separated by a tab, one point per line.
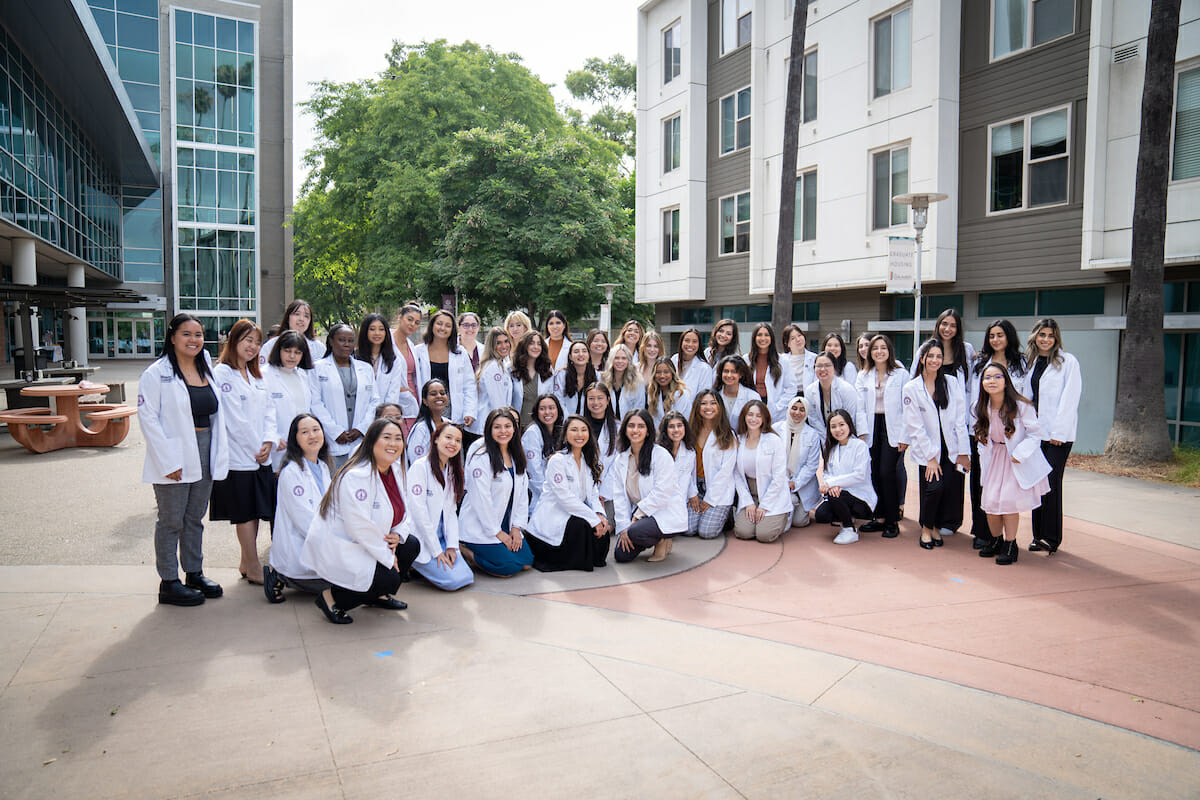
468	325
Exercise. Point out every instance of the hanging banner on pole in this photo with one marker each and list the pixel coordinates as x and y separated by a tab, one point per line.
901	271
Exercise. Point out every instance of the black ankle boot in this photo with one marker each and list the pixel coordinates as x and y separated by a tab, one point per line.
992	547
174	593
1007	554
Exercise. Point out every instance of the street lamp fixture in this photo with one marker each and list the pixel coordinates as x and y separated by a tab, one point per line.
919	202
606	307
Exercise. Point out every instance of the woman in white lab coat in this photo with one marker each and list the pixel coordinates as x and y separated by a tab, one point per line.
761	475
845	479
650	508
360	539
676	437
880	389
495	511
297	317
434	399
932	407
436	487
799	357
569	529
803	460
650	350
289	383
186	450
571	381
776	379
540	441
734	385
666	392
690	364
828	393
302	482
532	374
495	383
604	424
716	457
835	345
344	396
1054	384
440	356
376	348
557	335
624	381
247	494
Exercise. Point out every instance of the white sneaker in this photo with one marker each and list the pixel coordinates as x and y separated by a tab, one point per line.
946	532
846	536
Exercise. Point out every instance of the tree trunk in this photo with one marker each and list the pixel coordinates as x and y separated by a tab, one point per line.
1139	431
781	306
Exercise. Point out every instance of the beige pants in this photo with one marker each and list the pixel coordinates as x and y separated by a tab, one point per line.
770	528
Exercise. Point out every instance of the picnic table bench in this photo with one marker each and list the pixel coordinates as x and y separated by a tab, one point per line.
40	431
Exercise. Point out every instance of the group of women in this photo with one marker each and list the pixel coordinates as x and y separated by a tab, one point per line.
374	457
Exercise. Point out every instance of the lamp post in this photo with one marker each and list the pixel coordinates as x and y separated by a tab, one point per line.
920	208
606	307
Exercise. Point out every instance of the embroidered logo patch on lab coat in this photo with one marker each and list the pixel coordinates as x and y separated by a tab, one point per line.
418	489
298	491
360	495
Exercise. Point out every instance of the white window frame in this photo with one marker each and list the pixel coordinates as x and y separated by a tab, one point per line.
800	207
871	156
893	88
668	231
1027	130
1029	45
670	164
721	221
746	7
811	52
734	95
675	29
1188	66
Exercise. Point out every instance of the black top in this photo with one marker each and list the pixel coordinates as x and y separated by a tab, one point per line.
1035	380
204	404
440	370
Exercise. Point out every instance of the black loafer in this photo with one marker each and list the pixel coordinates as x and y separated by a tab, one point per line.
272	585
980	542
925	545
873	526
388	603
174	593
938	542
210	588
890	531
1041	545
333	613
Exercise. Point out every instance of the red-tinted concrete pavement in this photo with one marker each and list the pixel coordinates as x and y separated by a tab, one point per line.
1107	628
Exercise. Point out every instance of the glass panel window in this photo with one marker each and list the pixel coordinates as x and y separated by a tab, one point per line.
1007	304
735	121
1016	26
890	178
1008	26
670	235
1052	19
1185	159
893	52
1029	170
1064	302
810	86
735	224
672	53
735	24
806	208
672	147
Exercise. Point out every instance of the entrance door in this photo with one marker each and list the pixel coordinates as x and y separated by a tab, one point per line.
124	337
143	337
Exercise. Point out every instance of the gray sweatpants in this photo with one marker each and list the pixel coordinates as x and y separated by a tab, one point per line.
180	525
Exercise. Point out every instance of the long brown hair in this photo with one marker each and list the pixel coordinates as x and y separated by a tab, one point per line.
240	330
1008	407
454	466
721	428
365	453
1032	352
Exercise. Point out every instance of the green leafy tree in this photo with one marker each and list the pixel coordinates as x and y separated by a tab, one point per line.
326	277
612	85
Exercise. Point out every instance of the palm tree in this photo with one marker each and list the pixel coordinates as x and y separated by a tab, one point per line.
781	306
1139	431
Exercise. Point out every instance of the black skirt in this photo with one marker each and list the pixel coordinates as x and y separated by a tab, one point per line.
244	495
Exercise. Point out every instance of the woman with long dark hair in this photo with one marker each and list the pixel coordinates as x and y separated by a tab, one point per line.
690	364
835	345
302	481
577	375
828	393
598	347
358	541
846	477
734	386
540	441
434	400
716	454
722	343
799	357
440	356
881	389
298	317
437	485
650	508
557	331
186	449
774	382
289	383
408	321
532	374
376	348
760	473
495	510
604	424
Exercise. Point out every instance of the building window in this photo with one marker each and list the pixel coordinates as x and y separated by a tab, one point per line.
735	24
810	86
1029	170
931	306
806	207
672	61
893	51
671	143
806	312
735	121
735	224
1016	27
1185	158
890	178
670	219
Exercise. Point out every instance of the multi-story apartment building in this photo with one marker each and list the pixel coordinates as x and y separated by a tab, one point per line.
1025	112
146	146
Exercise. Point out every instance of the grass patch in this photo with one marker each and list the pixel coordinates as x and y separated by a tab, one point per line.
1184	470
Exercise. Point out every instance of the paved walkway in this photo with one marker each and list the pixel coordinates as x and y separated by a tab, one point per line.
733	669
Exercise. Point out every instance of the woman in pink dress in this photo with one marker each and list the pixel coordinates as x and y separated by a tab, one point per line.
1010	454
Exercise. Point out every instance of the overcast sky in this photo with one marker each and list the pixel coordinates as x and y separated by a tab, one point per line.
347	39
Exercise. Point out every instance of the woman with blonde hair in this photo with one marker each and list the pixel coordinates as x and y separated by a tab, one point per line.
624	381
650	350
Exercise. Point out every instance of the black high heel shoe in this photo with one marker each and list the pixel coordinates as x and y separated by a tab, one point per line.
926	545
1041	545
333	613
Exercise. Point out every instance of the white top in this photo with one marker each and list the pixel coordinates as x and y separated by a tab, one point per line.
464	394
1024	446
569	491
431	502
535	462
165	415
843	395
575	403
316	350
329	402
803	367
625	400
685	471
849	466
779	392
249	416
291	394
734	405
893	414
922	419
718	470
803	471
770	472
1058	398
699	374
296	503
661	498
487	497
683	404
495	388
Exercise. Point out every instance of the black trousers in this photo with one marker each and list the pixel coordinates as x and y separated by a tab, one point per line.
979	523
884	461
579	549
1048	520
843	509
386	581
643	534
942	500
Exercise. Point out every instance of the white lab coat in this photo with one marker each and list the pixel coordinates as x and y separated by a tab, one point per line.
922	419
685	472
563	352
544	386
807	372
165	414
285	408
607	487
487	497
804	472
662	498
770	466
568	492
734	406
849	466
495	388
625	400
316	350
464	394
535	462
849	374
719	466
329	402
430	501
419	439
683	404
571	405
248	416
389	382
893	395
296	503
344	546
1058	398
779	392
842	395
699	374
1025	445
